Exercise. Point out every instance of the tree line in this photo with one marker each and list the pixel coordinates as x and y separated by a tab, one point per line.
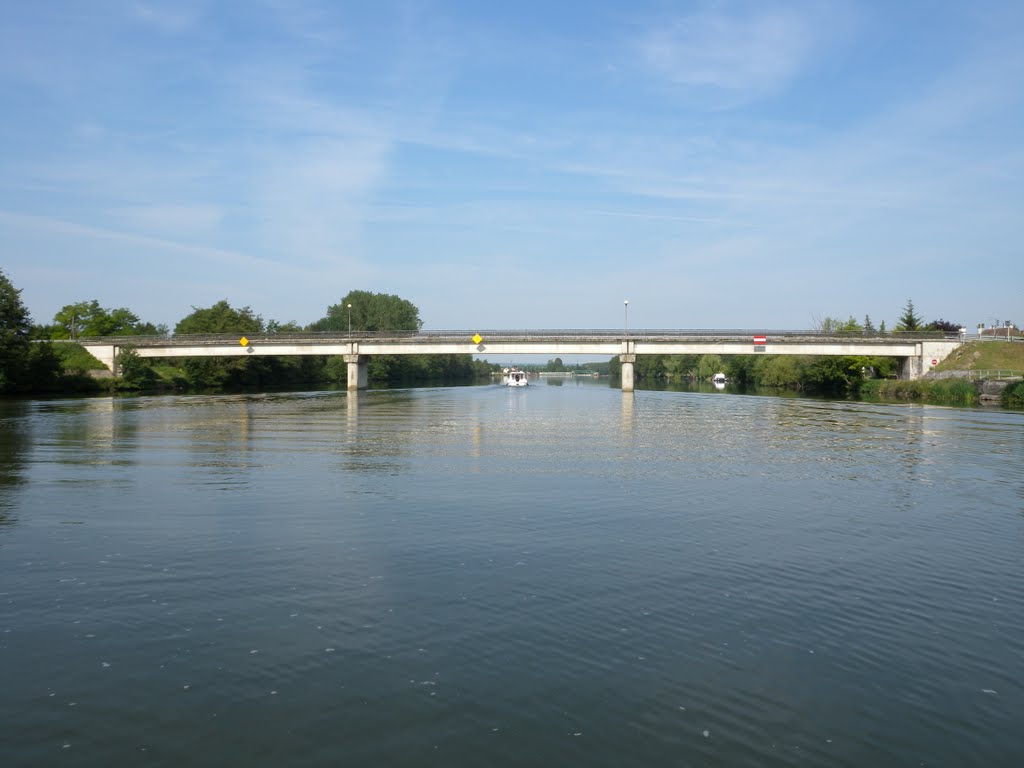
31	363
814	373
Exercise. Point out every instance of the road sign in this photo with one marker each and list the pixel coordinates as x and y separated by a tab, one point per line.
760	339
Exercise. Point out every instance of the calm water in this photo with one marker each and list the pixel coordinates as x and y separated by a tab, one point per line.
561	575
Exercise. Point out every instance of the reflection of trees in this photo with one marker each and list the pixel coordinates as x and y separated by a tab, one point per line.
15	441
104	428
381	425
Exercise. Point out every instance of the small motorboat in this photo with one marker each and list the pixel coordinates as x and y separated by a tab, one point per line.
719	378
513	377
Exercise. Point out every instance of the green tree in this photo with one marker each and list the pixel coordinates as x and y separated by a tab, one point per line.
88	318
220	318
370	312
869	327
15	333
219	372
708	366
909	320
26	363
136	372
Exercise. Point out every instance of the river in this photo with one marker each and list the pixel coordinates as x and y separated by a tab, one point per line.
555	575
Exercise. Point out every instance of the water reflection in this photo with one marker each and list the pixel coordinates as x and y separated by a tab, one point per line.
15	442
626	417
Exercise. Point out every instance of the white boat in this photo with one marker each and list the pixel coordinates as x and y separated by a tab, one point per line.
719	378
513	377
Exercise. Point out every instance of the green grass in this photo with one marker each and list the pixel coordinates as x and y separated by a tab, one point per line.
74	358
941	392
985	356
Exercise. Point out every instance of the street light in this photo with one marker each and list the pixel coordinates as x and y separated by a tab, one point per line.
625	318
349	319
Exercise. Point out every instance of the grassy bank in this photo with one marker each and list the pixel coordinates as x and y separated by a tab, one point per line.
985	356
973	356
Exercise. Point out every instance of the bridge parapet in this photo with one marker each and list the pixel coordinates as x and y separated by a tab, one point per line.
919	352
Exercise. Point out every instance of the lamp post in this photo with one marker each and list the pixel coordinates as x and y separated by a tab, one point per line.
625	318
349	319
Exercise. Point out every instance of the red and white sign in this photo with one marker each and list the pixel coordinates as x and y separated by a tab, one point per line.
935	362
760	339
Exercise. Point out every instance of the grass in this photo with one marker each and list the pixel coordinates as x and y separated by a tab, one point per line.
941	392
985	356
74	358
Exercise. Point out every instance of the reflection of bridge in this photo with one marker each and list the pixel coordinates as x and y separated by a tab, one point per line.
917	351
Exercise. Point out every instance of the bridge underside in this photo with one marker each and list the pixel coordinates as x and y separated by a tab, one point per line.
917	356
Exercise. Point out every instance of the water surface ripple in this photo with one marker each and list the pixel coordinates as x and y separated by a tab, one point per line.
561	575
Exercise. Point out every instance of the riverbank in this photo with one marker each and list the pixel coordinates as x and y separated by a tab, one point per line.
977	373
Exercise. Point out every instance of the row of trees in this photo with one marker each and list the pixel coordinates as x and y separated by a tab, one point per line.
810	373
28	364
908	322
822	374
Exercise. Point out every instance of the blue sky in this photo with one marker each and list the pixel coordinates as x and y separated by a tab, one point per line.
519	165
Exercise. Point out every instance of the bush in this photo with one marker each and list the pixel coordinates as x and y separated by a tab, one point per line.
1013	395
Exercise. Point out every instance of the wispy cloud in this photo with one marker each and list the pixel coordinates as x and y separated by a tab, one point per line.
754	51
168	18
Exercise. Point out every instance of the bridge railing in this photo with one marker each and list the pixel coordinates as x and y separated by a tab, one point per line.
428	336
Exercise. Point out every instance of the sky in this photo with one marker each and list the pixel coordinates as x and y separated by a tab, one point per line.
528	165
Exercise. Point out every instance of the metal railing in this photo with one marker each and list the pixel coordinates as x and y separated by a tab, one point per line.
430	336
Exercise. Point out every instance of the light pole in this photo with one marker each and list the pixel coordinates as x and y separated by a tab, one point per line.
625	318
349	319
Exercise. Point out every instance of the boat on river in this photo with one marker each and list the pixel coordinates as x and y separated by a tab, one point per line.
513	377
719	378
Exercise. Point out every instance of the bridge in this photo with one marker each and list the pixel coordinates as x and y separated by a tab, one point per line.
918	352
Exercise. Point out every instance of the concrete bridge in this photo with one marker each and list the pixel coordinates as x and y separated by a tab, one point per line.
918	351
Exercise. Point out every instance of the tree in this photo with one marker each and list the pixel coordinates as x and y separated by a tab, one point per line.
233	372
909	320
708	366
869	327
136	372
370	312
88	318
15	331
943	325
220	318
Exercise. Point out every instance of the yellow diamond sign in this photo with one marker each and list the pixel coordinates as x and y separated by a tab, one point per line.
243	341
477	338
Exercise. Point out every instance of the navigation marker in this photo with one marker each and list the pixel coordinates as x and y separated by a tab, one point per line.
759	342
478	340
243	341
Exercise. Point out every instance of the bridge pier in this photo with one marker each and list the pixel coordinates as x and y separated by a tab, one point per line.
627	371
357	375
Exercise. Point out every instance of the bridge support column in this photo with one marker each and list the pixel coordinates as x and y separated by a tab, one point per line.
357	377
627	371
911	368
